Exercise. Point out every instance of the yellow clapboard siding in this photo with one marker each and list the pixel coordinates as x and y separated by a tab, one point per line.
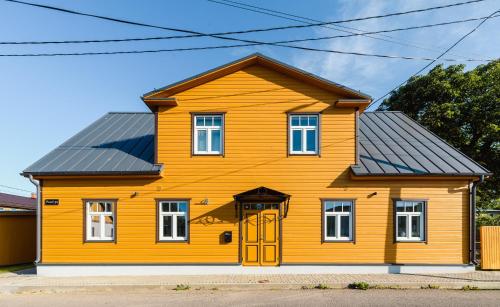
255	101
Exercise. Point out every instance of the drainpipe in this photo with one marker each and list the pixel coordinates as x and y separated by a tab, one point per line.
38	217
473	220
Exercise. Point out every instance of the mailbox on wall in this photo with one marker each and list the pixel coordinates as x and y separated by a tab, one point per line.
227	236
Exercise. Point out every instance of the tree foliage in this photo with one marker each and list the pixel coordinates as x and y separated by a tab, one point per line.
462	107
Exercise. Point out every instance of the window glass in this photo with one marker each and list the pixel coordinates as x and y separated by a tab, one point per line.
304	121
167	226
330	226
182	207
408	206
181	226
216	140
217	121
297	140
200	121
311	140
202	140
95	226
108	226
415	226
401	226
313	121
344	226
295	121
400	206
338	207
418	207
346	207
329	206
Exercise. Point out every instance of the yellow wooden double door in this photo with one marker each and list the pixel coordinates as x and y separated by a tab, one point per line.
260	240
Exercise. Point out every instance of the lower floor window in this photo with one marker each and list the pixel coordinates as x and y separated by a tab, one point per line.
173	220
410	217
338	220
100	220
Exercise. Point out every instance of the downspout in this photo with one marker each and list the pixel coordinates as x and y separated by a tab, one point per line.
472	226
38	217
356	136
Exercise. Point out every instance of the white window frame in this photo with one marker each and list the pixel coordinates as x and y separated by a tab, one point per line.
408	215
174	216
102	221
303	130
208	130
338	216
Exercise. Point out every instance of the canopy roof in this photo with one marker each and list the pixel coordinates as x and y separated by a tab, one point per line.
261	194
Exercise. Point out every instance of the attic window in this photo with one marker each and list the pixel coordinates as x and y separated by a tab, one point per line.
208	134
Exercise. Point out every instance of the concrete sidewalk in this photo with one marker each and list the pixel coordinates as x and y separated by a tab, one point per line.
27	281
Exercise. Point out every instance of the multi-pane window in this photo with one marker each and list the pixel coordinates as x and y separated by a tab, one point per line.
208	134
303	134
410	220
173	220
100	220
338	220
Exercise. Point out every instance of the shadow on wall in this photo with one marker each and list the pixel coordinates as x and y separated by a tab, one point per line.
224	214
390	247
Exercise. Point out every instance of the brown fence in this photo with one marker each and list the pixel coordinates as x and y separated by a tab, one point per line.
490	247
17	237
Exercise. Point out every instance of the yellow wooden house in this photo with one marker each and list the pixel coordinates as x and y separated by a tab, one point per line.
255	167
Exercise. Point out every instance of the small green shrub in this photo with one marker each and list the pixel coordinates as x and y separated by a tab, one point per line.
430	286
181	287
321	287
359	285
469	287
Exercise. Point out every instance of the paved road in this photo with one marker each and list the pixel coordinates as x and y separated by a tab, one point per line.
193	297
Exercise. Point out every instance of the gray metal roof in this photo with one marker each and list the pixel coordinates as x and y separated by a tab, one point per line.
390	143
117	143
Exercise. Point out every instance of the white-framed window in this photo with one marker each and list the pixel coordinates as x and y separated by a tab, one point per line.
338	220
100	220
410	216
303	134
173	220
208	134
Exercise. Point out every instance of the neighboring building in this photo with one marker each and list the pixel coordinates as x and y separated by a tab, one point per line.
9	202
17	229
251	164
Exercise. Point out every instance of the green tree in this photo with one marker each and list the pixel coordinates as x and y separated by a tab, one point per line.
462	107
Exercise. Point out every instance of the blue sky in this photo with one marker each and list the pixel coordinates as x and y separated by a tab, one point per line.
44	101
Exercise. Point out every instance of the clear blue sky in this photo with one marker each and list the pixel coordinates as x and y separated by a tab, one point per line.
44	101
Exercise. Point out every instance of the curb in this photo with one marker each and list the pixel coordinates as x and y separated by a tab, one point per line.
96	288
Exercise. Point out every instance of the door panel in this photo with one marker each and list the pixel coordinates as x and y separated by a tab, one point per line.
260	238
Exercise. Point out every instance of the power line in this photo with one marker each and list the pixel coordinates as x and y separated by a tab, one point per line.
220	35
13	188
439	57
190	36
307	20
235	46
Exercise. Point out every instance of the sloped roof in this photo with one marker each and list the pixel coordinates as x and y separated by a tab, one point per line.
390	143
253	59
18	202
117	143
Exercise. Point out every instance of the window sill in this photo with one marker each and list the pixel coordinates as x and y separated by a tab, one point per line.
100	241
172	241
337	241
208	154
302	154
409	241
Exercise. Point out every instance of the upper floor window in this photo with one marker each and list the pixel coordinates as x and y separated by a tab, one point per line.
303	134
100	220
173	220
338	220
409	220
208	134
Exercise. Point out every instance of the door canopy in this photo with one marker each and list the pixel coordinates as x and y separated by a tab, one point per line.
261	194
